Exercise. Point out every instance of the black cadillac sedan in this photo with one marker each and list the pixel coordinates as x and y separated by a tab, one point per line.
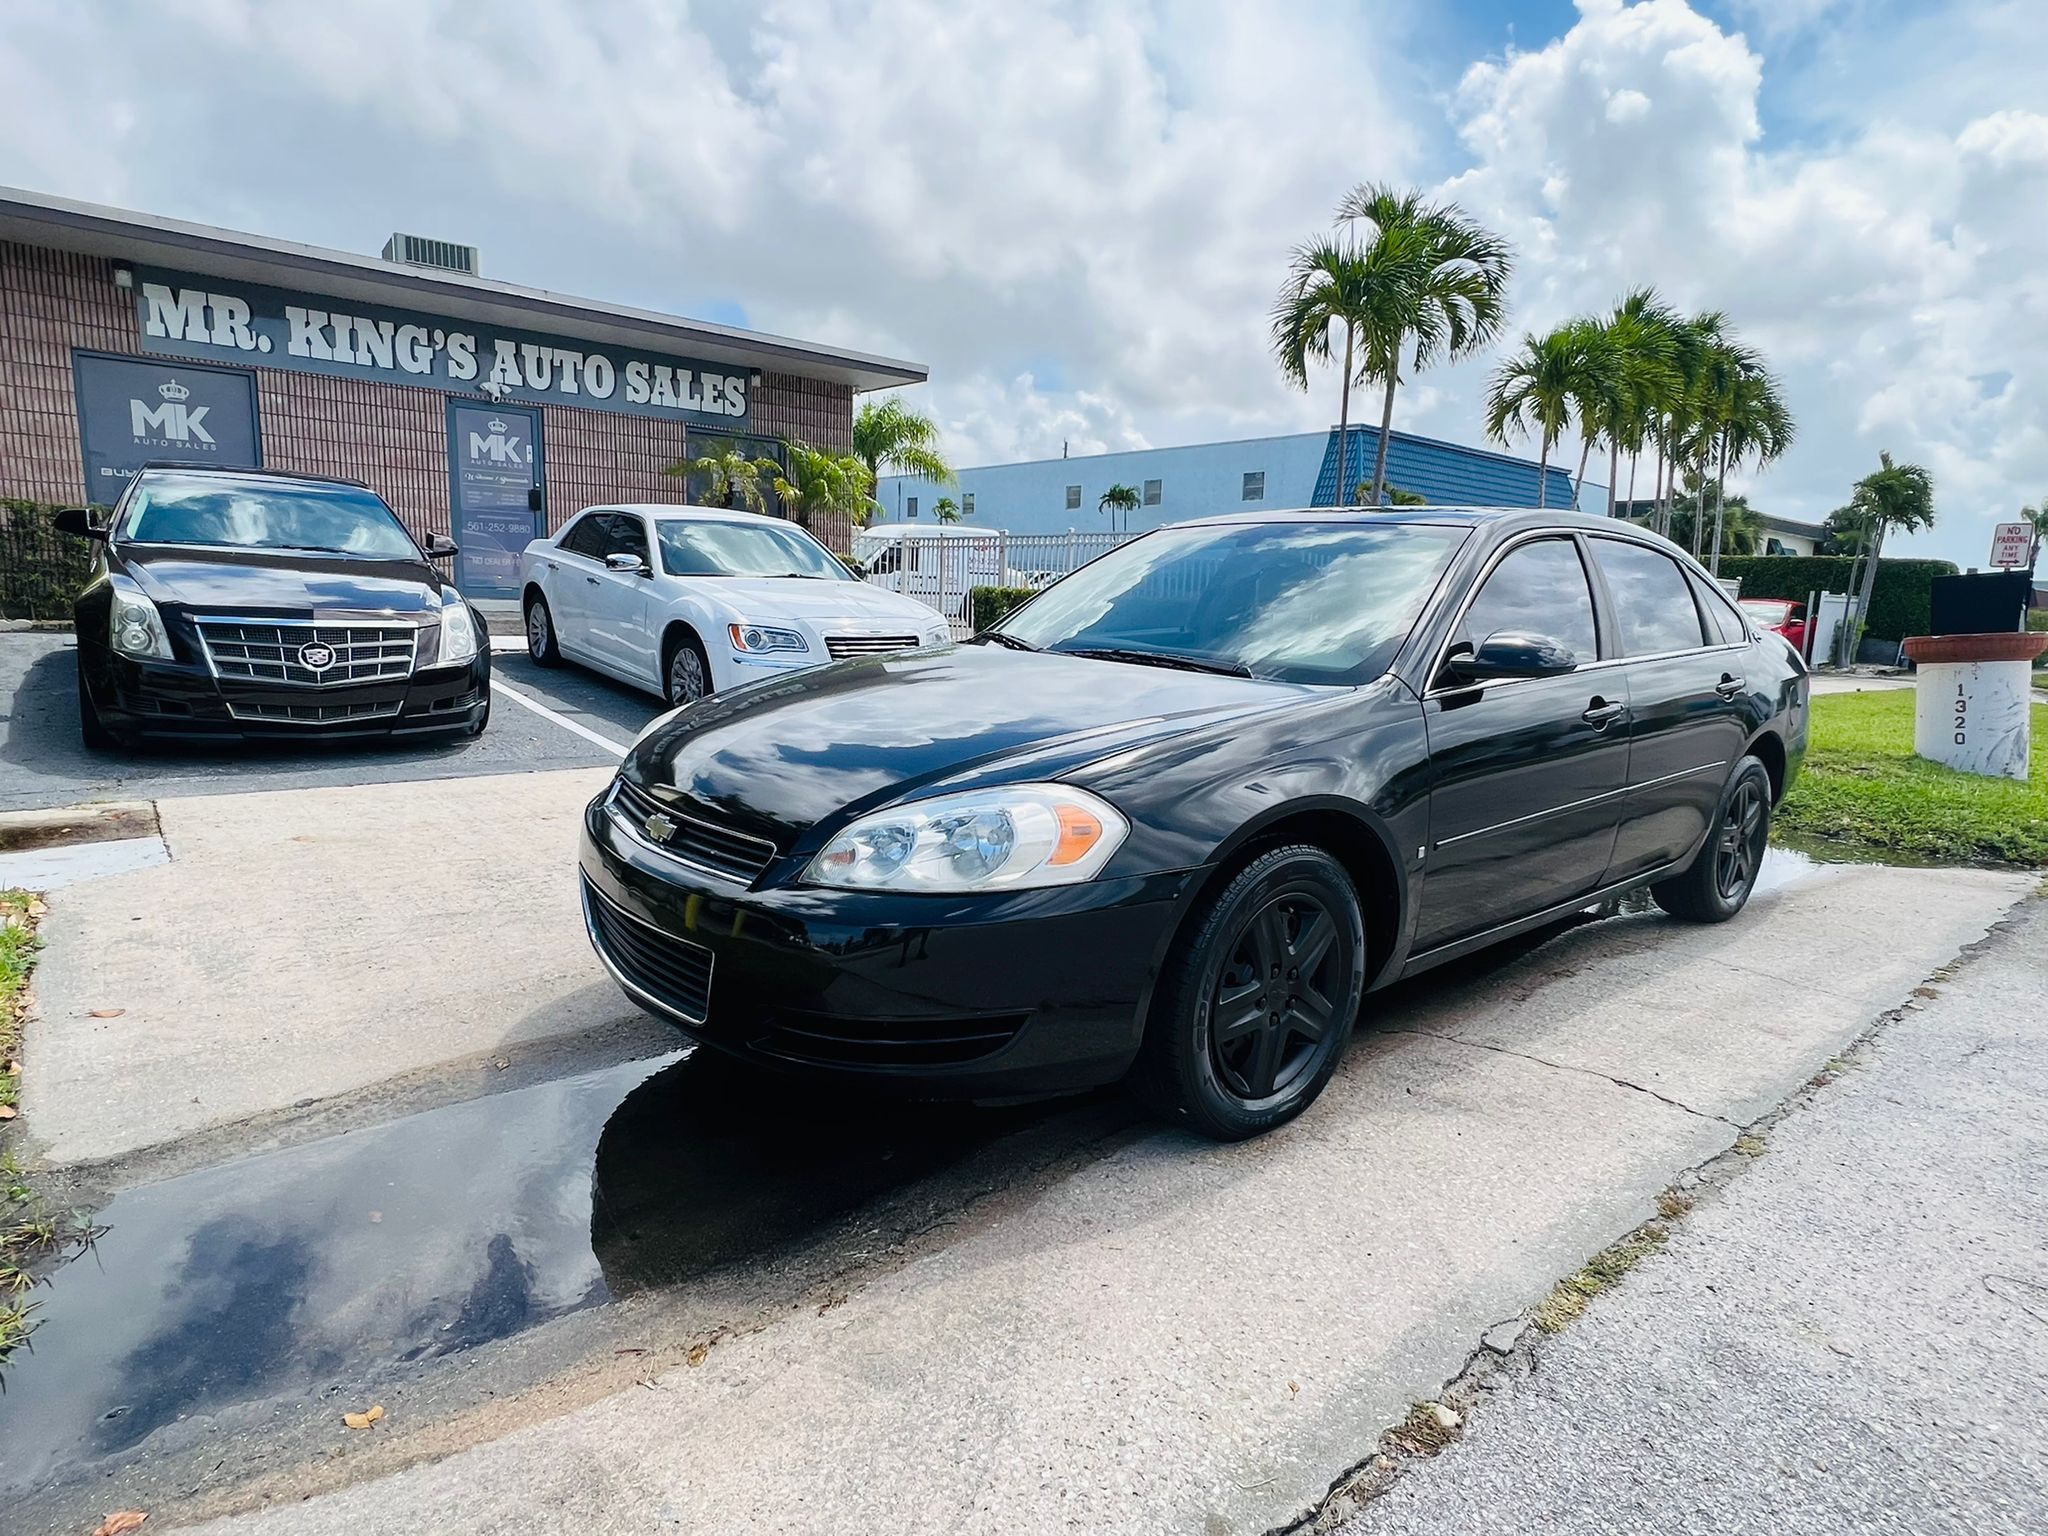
254	603
1178	814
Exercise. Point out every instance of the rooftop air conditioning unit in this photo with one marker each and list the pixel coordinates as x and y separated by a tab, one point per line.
419	251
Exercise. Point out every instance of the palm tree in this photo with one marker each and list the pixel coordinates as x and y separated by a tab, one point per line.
1894	496
1540	388
819	482
1749	419
891	436
1119	498
1447	279
1639	336
1741	526
1335	283
2037	519
946	509
732	477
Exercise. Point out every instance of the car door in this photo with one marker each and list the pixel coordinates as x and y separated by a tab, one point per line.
571	582
1526	775
1686	717
619	601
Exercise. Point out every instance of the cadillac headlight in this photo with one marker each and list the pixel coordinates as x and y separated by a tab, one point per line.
1015	837
137	629
458	629
755	638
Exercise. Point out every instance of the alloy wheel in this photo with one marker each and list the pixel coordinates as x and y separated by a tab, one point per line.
686	676
1278	996
1744	832
536	630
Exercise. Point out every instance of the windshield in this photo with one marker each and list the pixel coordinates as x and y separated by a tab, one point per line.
1770	613
266	514
1296	602
691	548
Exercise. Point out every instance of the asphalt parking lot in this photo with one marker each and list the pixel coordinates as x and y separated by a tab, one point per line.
43	763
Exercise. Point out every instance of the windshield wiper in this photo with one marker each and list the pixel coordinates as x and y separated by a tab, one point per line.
997	637
1156	659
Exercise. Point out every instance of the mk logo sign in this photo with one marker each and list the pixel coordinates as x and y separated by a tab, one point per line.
497	448
172	422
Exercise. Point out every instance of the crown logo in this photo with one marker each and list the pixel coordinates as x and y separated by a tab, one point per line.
174	391
495	425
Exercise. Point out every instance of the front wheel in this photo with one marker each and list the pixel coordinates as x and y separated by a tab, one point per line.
686	676
1717	884
1259	997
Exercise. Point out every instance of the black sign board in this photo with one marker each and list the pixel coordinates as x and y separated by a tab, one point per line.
494	461
132	411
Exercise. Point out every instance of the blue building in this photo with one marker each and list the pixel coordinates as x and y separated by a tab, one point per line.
1204	479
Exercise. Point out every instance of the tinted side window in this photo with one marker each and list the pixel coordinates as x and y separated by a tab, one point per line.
628	537
588	536
1721	615
1652	600
1539	589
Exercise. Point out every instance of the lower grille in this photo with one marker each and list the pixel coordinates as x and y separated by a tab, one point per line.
311	714
305	654
674	972
824	1041
840	647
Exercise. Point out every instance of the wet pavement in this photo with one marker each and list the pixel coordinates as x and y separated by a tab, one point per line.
279	1275
438	1232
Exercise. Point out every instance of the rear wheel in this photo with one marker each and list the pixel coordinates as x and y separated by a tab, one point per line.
686	675
1259	997
540	632
1717	884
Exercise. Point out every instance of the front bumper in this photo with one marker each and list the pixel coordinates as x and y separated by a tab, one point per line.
1024	992
178	699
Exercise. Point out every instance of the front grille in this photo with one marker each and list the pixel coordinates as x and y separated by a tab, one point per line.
842	646
272	651
832	1042
275	713
734	855
674	972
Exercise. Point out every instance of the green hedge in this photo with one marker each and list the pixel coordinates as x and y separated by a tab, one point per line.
1900	606
41	570
987	604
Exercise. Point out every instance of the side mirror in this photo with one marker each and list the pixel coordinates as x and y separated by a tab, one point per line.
440	546
77	521
631	565
1509	653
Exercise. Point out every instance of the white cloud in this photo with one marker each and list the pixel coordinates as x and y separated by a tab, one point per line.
1077	213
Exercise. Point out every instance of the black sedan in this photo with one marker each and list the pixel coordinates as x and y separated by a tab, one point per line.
1177	814
257	603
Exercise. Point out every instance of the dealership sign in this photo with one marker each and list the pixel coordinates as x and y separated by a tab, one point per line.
210	317
136	411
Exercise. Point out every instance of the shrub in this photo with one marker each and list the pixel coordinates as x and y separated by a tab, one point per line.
41	570
1901	604
987	604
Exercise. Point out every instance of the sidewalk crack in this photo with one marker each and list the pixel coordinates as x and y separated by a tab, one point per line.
1565	1066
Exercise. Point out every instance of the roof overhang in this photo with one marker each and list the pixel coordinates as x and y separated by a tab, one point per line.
35	218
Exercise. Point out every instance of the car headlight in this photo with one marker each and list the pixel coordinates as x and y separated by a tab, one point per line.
1014	837
755	638
938	634
136	628
458	628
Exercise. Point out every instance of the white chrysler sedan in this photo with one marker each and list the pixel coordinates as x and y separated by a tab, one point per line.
684	601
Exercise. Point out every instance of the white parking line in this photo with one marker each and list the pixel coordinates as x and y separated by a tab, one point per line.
616	748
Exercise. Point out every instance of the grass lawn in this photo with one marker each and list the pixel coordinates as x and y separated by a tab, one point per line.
1863	784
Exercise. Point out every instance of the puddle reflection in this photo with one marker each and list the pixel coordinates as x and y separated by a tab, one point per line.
442	1231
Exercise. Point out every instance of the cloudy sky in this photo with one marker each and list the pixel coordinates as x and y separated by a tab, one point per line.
1077	213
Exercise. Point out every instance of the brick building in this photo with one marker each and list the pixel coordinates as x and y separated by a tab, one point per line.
477	408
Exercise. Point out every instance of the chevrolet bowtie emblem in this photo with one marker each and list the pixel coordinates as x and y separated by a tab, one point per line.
658	827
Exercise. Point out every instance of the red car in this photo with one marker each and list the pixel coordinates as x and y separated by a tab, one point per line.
1781	617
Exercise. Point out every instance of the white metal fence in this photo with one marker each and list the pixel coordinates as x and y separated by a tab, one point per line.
939	568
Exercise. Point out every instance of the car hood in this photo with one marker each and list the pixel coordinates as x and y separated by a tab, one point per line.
778	757
288	583
764	599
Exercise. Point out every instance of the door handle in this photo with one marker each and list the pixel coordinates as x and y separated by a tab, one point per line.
1601	714
552	566
1729	686
593	581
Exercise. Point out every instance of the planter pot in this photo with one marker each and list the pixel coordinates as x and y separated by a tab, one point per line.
1974	709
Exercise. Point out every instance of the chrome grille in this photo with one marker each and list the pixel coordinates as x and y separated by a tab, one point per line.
735	855
843	646
673	972
275	713
271	651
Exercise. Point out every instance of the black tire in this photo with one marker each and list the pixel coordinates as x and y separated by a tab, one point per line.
1248	945
540	633
685	670
90	727
1716	885
482	720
